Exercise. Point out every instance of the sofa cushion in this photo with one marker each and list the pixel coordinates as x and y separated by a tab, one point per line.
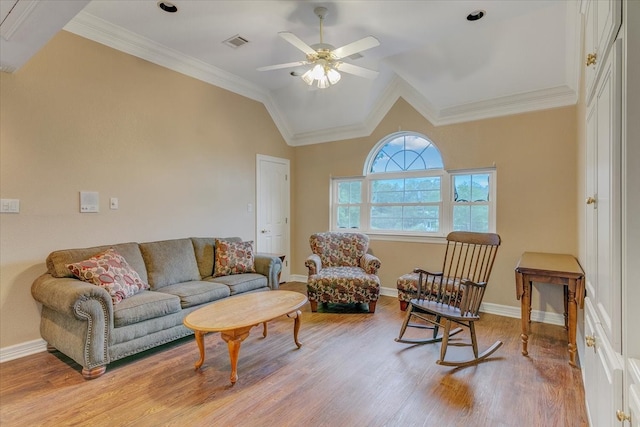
233	258
57	261
111	271
239	283
197	292
169	262
144	306
204	248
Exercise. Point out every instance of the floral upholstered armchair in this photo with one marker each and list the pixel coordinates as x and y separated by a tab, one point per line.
341	270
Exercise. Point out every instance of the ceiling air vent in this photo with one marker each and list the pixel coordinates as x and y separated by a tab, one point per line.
236	41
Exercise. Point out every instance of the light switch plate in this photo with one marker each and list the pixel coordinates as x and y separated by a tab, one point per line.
9	205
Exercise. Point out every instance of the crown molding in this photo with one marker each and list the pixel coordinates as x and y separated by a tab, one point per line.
16	17
103	32
100	31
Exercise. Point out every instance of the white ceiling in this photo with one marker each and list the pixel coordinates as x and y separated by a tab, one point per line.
522	56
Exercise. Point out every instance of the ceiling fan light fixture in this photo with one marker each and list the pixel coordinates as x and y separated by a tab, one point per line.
307	77
333	76
323	83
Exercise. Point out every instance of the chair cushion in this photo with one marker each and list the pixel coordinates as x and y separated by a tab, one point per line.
407	285
110	271
339	249
343	285
197	292
143	306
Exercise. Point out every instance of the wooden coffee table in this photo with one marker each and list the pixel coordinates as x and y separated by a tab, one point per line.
235	316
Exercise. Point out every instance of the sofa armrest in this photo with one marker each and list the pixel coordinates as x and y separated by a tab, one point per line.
270	266
370	263
313	263
77	318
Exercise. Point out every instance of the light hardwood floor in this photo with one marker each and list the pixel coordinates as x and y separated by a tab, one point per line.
349	372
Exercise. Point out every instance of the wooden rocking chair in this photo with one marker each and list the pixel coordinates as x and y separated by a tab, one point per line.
455	294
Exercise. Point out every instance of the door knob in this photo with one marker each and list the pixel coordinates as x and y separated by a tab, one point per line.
263	231
590	200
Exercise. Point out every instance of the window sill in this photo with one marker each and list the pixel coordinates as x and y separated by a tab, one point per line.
406	238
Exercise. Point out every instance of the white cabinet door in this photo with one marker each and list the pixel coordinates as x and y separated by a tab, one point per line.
602	372
607	206
603	19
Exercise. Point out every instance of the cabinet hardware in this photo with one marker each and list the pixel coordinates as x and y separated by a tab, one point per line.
591	59
622	416
590	340
590	200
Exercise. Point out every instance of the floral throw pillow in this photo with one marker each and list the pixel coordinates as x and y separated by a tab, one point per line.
111	271
233	258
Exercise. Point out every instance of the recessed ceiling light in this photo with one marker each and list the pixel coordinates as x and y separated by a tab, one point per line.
475	15
167	7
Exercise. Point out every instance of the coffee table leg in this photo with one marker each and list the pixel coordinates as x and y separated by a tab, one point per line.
296	315
233	339
200	341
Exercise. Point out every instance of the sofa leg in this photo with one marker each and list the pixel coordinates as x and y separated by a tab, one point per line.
90	374
51	349
372	306
314	306
404	305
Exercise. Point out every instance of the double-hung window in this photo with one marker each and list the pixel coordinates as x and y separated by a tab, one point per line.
405	190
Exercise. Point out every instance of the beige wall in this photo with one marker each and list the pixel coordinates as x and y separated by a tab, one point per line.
178	153
180	156
535	157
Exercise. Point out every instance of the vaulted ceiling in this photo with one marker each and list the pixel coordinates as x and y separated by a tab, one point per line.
521	56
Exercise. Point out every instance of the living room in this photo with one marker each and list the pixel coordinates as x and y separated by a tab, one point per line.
180	156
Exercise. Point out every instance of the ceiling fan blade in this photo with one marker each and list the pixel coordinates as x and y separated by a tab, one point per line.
279	66
356	70
294	40
356	47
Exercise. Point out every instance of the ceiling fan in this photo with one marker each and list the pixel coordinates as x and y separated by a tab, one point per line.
326	59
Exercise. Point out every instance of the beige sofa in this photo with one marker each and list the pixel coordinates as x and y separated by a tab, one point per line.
82	321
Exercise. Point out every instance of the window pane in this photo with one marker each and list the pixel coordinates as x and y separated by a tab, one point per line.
470	217
471	188
348	217
349	192
412	190
480	218
405	218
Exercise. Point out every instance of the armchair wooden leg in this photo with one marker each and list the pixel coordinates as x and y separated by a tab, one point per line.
403	305
372	306
314	306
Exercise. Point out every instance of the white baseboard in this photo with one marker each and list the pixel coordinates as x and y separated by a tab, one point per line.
21	350
39	345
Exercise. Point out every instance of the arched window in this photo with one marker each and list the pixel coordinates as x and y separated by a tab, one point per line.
401	152
405	190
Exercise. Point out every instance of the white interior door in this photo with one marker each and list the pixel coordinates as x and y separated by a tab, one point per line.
272	208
